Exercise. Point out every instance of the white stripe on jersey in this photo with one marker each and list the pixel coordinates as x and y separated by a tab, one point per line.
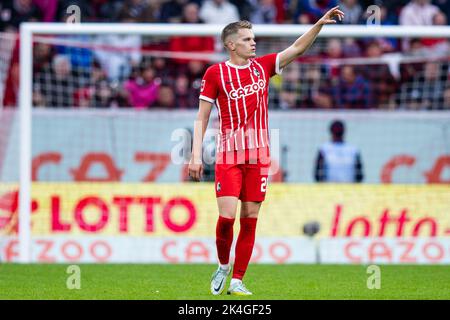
237	109
256	110
236	100
261	108
245	110
220	127
229	104
265	102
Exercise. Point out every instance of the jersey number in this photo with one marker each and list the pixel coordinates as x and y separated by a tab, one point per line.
263	184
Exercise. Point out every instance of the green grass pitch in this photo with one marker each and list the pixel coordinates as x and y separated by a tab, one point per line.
191	282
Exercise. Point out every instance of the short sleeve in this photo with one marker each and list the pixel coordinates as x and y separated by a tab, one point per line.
209	88
270	63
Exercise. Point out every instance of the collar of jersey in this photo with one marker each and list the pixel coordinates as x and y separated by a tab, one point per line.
228	63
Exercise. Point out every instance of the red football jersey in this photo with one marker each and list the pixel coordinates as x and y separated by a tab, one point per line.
241	97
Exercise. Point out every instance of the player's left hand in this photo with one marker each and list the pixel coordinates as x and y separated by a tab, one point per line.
195	170
331	15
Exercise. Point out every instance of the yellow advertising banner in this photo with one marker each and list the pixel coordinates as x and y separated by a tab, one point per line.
190	209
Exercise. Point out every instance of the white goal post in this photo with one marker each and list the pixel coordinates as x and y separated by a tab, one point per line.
28	30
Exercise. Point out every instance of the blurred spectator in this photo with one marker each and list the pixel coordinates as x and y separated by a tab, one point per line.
322	98
42	56
265	12
218	12
14	12
283	13
288	98
438	46
99	93
80	57
310	84
309	11
103	96
351	48
139	10
171	11
105	10
163	69
194	44
166	97
190	13
185	97
195	71
12	85
334	49
394	6
426	90
418	13
48	8
82	98
352	91
337	161
142	92
409	69
416	49
56	85
245	7
446	101
444	6
38	99
122	53
337	48
352	10
381	80
289	84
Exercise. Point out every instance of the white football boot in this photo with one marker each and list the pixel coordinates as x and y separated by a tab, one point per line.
238	289
218	280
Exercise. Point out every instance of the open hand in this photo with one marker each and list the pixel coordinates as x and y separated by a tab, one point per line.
331	15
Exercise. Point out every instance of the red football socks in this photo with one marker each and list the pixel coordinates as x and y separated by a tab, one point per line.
224	238
244	246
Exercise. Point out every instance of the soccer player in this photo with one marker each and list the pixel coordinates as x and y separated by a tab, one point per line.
239	89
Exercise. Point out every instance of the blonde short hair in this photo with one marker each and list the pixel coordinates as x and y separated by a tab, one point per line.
233	28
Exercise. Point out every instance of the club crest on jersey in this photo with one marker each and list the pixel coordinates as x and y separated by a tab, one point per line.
248	89
256	72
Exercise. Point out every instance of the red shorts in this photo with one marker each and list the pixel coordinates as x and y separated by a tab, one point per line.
243	174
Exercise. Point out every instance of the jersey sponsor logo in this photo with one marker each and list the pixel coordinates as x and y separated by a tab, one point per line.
248	89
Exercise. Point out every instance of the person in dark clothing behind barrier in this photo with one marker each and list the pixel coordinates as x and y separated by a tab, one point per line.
338	161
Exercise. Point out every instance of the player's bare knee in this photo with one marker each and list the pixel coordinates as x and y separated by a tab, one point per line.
250	209
227	214
249	214
227	210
